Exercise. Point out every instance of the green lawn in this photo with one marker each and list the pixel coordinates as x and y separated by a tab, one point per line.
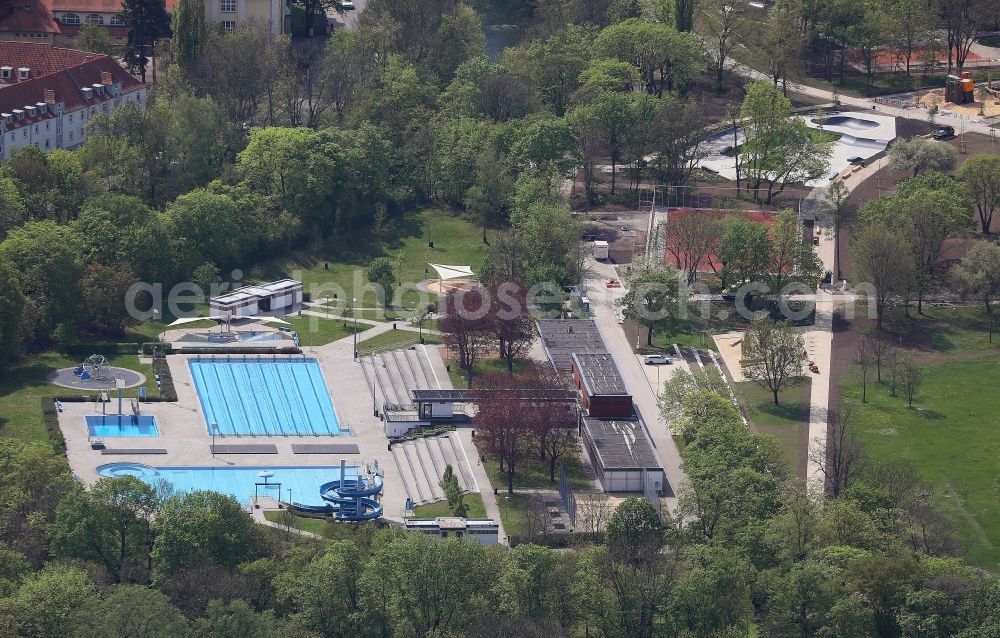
533	473
318	526
314	331
432	510
337	308
460	380
23	386
512	511
392	340
949	330
951	435
341	266
787	422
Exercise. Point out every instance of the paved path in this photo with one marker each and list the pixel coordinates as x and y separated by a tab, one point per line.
603	312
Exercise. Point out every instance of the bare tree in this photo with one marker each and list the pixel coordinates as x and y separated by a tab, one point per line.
536	518
691	241
772	354
864	367
841	457
877	347
910	377
883	258
892	361
593	510
724	23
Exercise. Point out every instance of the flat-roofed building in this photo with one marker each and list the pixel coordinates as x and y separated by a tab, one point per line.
602	390
277	296
622	455
561	338
482	531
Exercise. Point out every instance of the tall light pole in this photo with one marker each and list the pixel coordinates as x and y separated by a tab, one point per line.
155	312
354	309
215	428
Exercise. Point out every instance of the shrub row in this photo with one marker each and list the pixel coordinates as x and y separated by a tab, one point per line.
101	347
160	367
559	540
228	351
50	418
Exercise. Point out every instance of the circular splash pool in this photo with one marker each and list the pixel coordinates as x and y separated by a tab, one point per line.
137	470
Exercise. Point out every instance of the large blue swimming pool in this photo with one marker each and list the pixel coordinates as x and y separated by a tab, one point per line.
109	425
264	396
238	482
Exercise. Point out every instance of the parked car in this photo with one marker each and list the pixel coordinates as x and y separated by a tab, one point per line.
857	161
656	359
347	5
943	132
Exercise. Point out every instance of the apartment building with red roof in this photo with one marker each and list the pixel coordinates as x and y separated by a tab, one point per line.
29	20
48	94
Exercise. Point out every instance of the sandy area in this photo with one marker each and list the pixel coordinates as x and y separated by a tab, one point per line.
936	96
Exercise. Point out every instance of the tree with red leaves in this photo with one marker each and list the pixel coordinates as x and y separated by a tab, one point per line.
467	327
503	423
512	324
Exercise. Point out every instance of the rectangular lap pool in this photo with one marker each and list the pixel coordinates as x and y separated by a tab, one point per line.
109	425
238	482
264	397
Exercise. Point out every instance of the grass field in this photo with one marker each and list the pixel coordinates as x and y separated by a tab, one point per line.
432	510
394	339
317	526
459	378
314	331
949	330
23	386
952	437
788	422
341	266
533	473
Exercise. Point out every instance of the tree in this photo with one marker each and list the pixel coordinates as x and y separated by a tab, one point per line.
618	119
725	25
12	312
875	345
772	354
147	22
883	258
684	12
201	528
453	493
910	378
963	21
841	456
779	42
978	274
110	524
635	531
676	141
465	324
235	619
381	272
190	32
593	510
503	424
779	148
136	611
691	240
653	300
913	25
744	251
48	260
104	304
420	315
864	367
837	210
509	318
681	385
917	155
981	173
48	603
553	65
790	255
95	38
663	56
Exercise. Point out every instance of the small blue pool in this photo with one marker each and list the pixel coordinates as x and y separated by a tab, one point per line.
109	425
264	396
238	482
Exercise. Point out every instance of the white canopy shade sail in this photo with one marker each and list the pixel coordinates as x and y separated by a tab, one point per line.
267	319
446	273
184	320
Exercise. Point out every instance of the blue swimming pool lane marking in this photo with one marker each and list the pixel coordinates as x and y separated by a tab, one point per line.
265	397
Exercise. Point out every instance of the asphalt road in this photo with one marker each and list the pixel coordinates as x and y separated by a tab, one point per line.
602	310
350	19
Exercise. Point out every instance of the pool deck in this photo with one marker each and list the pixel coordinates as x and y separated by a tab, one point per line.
184	436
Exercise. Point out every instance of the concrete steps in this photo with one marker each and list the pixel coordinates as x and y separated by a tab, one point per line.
447	449
426	461
413	360
462	461
406	473
421	464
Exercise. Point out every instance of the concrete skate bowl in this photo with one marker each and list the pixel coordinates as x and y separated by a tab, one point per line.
846	121
863	142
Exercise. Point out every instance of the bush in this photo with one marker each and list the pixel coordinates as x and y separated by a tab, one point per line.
150	348
558	540
50	418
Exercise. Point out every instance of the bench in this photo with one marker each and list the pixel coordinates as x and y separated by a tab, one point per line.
325	448
141	450
250	448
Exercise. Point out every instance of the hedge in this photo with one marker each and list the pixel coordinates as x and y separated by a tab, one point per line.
50	418
150	348
167	390
559	540
220	352
101	347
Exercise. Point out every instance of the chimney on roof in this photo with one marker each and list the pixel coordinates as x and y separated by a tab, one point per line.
50	96
106	77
